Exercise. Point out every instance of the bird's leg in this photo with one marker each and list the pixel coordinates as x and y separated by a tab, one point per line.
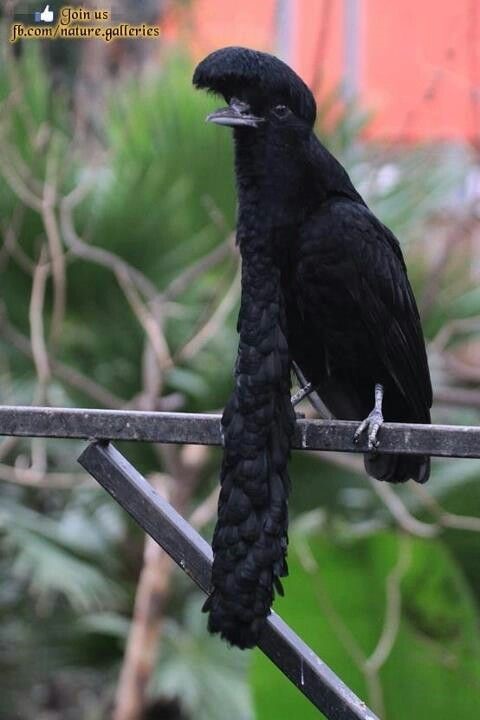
312	394
302	393
373	422
308	390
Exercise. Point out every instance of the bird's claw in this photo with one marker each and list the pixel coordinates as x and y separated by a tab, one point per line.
373	422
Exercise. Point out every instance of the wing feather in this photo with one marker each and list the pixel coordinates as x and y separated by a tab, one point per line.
376	278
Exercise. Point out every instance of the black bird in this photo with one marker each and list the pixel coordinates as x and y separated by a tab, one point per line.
324	285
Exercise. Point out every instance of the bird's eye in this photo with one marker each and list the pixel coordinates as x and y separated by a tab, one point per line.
281	111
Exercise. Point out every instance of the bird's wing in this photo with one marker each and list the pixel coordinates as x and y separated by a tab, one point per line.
376	278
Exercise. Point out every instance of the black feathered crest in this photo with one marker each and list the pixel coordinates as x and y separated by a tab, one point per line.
232	71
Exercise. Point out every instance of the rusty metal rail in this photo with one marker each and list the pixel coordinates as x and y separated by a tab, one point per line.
203	429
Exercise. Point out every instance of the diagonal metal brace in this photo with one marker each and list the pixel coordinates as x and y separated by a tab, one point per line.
194	555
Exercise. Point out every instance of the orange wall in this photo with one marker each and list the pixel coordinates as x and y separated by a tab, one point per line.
421	67
419	60
210	24
319	43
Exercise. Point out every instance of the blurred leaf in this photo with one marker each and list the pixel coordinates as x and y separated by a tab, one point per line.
466	305
433	668
201	669
188	381
107	623
52	565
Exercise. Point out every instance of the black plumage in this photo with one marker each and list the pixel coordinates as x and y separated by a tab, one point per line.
324	284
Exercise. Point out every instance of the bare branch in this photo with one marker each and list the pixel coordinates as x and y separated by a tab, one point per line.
147	620
452	328
213	324
149	323
14	159
187	277
458	229
30	477
206	511
57	256
10	244
393	608
343	633
387	495
7	445
399	512
152	377
18	186
62	371
460	397
98	255
444	518
369	666
459	368
153	588
39	350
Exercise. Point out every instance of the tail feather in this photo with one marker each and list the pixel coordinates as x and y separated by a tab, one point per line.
398	468
250	539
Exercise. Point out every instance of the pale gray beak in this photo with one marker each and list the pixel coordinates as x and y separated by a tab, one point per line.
237	114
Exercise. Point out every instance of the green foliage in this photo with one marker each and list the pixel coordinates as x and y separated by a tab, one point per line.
161	196
49	565
338	603
60	564
151	207
201	669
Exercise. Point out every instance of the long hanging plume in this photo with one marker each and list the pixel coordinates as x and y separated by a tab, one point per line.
250	538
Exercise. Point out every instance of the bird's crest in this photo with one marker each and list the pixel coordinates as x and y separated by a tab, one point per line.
231	71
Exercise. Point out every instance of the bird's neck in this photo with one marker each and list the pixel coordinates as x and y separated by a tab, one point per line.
253	231
267	195
250	164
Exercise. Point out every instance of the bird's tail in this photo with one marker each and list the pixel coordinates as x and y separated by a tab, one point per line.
250	539
398	468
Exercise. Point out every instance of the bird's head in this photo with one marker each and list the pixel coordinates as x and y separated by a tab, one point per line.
258	87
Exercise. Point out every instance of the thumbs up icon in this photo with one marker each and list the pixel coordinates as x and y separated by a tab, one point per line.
45	16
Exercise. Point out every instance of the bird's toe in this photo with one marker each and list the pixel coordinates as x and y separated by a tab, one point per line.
359	430
373	423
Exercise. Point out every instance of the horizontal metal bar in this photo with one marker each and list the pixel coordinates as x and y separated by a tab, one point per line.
440	440
193	554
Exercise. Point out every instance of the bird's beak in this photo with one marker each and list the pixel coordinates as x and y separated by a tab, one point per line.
237	114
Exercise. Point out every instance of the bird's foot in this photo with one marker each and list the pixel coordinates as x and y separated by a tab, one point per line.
373	423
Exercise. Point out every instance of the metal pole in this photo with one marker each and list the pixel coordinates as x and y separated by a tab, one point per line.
163	427
193	554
